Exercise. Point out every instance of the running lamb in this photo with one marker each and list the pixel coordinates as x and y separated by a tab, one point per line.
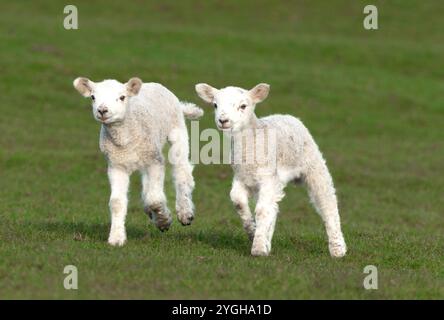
294	157
137	120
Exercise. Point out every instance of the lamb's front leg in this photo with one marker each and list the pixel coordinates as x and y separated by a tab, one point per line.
119	180
154	197
239	195
270	193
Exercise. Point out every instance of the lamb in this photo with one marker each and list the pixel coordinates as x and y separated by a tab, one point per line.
137	119
297	159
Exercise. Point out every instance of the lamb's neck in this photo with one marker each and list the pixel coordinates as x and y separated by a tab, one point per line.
119	133
252	124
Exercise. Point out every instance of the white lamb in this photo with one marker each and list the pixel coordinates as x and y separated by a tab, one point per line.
297	158
137	120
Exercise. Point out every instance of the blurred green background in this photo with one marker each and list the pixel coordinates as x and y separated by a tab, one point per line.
373	100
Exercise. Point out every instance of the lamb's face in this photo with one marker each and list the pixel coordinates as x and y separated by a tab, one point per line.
109	101
109	98
234	107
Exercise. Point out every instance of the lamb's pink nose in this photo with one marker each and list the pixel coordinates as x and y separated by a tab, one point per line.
223	121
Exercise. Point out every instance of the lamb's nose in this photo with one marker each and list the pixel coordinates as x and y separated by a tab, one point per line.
223	121
102	111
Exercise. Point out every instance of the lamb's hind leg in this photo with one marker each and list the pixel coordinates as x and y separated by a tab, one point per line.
322	193
182	173
239	195
153	196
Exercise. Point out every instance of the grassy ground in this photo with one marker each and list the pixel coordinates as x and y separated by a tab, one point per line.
372	99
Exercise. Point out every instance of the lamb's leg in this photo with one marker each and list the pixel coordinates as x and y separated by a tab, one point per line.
322	193
239	195
270	193
153	196
119	180
182	173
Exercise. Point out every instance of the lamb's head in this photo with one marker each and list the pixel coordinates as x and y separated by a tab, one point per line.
234	107
109	98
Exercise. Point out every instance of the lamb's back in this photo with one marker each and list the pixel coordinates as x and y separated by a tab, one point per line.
156	108
291	137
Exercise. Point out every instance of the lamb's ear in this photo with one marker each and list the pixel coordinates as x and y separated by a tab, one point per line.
133	86
84	86
206	92
259	92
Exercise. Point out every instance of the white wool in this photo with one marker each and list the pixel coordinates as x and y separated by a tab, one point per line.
137	120
191	111
297	159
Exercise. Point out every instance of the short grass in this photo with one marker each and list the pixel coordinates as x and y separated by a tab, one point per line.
372	99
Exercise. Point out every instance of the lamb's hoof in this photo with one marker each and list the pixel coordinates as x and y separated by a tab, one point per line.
259	253
150	215
337	250
185	218
159	216
117	240
260	248
163	222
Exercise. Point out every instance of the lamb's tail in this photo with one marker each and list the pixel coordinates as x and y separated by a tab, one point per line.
190	110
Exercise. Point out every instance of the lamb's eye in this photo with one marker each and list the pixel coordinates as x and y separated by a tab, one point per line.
243	106
93	98
215	106
122	98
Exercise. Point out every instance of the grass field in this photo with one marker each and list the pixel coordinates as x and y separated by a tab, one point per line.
372	99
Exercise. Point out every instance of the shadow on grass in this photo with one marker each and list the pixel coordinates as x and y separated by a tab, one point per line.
233	240
82	231
218	239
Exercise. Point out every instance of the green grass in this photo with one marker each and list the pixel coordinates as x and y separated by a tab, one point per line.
372	99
